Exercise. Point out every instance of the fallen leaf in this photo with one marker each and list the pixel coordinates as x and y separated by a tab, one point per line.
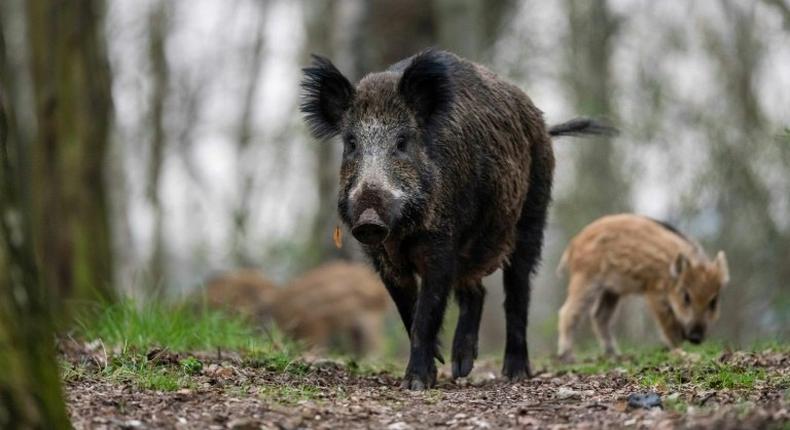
338	237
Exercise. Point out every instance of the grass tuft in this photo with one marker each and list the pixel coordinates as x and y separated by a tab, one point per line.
133	330
178	327
664	370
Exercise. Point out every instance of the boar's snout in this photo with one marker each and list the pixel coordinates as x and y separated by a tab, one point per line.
696	334
374	212
369	228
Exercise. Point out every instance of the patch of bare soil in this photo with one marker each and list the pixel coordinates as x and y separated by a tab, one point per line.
230	394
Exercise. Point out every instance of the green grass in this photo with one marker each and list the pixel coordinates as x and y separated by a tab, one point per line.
661	369
178	327
675	404
130	330
136	369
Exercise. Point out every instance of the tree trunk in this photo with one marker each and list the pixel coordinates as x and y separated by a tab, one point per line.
157	34
600	187
247	167
71	80
30	392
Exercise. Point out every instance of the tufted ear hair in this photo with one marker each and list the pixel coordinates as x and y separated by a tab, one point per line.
326	95
426	85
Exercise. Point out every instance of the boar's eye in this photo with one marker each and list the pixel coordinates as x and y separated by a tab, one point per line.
713	301
686	298
350	144
402	143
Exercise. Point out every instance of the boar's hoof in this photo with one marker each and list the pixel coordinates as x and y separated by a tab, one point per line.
464	354
369	228
516	369
419	380
462	366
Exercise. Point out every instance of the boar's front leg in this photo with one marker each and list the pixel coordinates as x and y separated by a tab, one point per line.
470	297
439	276
402	288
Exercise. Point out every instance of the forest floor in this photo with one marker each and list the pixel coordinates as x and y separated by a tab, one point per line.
203	390
116	377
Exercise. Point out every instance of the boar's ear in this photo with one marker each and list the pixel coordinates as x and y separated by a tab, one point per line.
326	94
426	86
678	266
724	268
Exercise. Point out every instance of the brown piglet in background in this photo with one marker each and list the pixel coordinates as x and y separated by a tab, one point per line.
629	254
245	292
338	305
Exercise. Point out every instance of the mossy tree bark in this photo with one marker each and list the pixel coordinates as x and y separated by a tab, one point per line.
71	79
30	392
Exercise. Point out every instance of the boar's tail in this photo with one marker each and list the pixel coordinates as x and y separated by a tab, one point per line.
582	127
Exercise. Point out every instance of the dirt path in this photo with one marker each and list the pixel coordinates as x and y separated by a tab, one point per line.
231	394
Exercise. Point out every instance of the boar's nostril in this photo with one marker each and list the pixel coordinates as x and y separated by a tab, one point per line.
369	228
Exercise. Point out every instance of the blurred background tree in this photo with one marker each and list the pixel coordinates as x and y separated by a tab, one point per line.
73	112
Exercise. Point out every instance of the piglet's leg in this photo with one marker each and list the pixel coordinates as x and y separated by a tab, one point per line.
602	315
429	313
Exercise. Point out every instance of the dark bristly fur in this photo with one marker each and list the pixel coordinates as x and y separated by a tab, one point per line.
446	176
425	85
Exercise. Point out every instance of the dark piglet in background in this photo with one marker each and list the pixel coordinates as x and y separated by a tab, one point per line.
446	175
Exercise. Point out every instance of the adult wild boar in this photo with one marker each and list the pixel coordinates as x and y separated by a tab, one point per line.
446	175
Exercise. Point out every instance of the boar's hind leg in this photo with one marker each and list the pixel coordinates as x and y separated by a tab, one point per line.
439	277
470	301
523	263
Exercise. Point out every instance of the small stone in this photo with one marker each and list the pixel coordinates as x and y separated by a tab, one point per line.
243	424
480	423
565	393
644	400
482	378
400	425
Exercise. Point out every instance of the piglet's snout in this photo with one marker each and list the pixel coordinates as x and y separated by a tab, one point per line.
369	228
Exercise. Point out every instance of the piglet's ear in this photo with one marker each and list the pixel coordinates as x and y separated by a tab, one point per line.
326	95
678	266
724	268
426	85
